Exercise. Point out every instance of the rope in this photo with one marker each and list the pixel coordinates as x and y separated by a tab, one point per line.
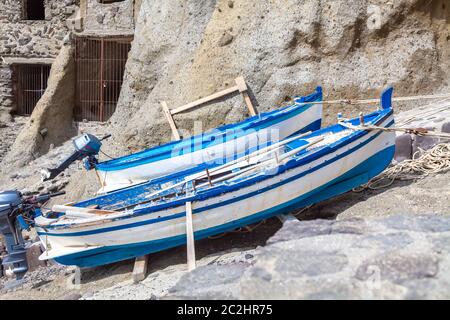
423	164
241	230
416	131
369	101
302	211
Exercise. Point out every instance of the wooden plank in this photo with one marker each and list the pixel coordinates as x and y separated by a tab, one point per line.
169	117
240	83
140	268
190	237
249	103
64	209
204	100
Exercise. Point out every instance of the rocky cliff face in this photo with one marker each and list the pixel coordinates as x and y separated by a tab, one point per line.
186	50
189	49
397	257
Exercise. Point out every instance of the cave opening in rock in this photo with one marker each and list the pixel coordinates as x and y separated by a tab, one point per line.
33	9
29	83
100	67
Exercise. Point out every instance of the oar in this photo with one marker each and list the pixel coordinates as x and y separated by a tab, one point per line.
265	162
65	209
262	152
233	174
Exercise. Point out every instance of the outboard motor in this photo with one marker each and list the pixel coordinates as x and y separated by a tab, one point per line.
16	214
16	258
87	146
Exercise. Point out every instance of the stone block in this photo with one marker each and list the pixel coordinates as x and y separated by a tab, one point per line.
424	143
33	252
446	127
403	147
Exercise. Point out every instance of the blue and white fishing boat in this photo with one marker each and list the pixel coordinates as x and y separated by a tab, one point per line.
214	147
287	175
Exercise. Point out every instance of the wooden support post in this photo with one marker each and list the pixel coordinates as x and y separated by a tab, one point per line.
169	117
242	87
204	100
140	268
190	237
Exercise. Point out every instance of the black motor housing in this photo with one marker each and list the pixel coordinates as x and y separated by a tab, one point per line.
16	258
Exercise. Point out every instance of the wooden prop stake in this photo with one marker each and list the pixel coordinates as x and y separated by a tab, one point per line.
140	268
169	117
65	209
190	237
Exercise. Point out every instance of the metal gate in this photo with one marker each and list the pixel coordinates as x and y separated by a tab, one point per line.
100	69
30	84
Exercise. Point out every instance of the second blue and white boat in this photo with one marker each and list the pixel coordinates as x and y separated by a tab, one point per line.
217	146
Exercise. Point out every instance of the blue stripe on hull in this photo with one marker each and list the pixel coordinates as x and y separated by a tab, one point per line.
353	178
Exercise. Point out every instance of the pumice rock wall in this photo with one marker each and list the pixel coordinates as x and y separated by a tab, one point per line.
186	50
183	51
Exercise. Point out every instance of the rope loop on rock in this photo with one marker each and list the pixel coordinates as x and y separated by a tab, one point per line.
423	163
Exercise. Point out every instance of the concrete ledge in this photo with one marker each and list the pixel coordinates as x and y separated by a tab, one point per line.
17	60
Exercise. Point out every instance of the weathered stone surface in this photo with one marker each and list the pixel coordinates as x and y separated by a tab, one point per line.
33	253
43	35
226	39
318	43
403	147
111	18
54	111
399	268
221	279
397	257
421	223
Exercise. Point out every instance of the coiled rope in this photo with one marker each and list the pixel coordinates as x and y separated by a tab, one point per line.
424	163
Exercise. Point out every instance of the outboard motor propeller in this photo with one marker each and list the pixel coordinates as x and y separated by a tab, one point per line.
86	146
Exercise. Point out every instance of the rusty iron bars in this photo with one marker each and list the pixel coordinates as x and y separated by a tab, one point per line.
100	67
31	82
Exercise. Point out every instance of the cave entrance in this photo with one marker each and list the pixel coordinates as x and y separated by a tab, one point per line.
100	67
29	83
